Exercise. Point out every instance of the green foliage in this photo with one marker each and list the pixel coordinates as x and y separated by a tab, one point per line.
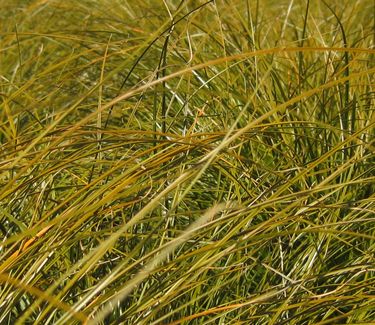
187	162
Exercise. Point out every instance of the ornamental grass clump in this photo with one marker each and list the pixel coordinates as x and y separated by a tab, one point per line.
187	162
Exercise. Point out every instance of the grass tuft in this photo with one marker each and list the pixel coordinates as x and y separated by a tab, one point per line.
187	162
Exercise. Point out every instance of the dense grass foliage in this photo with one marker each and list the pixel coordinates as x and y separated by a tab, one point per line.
187	162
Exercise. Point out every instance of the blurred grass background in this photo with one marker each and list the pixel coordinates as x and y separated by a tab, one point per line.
187	162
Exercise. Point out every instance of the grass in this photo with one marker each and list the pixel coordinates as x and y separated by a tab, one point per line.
187	162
